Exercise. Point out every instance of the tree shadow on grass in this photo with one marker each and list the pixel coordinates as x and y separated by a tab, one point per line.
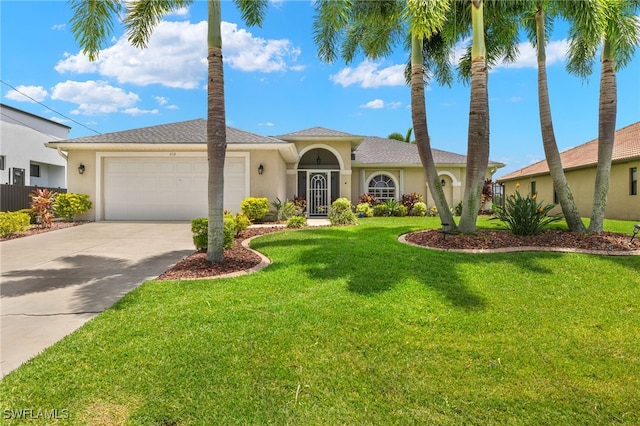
372	261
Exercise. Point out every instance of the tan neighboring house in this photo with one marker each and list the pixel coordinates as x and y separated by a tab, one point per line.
579	163
160	172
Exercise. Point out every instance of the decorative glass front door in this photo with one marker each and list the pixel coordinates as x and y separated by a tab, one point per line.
318	194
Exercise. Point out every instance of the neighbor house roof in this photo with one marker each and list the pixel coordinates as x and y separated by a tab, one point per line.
187	132
626	146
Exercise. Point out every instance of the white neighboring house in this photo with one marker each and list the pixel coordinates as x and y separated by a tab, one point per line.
24	159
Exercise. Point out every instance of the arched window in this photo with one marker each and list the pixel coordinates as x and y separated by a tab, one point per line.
382	187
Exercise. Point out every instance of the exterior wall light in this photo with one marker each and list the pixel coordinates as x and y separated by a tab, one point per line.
443	183
81	168
260	169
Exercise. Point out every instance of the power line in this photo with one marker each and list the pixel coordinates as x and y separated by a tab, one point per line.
50	109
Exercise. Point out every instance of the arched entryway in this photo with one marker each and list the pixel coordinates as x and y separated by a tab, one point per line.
318	179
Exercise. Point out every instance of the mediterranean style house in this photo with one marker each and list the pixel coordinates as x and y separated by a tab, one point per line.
579	164
160	172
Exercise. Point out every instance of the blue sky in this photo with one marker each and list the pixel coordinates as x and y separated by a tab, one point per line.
275	83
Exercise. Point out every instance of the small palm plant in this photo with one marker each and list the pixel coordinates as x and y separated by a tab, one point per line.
524	215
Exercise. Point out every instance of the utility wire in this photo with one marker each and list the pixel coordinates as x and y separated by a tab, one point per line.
50	109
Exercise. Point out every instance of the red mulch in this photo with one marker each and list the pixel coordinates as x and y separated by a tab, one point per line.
485	239
236	259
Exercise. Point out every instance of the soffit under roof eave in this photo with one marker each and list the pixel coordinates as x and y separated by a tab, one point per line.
288	151
354	140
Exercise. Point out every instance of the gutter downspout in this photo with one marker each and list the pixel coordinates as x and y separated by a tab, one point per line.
62	154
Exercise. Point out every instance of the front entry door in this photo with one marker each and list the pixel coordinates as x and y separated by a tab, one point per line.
318	199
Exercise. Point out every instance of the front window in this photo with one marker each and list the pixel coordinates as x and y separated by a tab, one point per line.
382	187
34	170
534	188
2	162
633	181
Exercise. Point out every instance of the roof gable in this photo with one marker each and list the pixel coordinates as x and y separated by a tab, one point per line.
316	132
626	145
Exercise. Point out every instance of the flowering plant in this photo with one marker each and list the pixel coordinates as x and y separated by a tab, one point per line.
524	215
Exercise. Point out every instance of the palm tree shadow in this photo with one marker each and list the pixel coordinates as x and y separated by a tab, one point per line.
94	283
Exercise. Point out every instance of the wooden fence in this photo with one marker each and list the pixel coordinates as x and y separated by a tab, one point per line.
16	197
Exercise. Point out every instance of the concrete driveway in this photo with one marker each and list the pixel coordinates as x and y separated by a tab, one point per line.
52	283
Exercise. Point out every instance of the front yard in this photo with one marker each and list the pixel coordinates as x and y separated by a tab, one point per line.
349	326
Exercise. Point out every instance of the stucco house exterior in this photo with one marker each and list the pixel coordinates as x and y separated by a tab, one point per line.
623	201
24	159
160	172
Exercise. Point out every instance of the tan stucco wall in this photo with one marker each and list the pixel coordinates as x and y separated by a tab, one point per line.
83	183
620	204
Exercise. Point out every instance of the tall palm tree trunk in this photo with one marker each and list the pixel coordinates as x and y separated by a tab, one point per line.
606	131
421	130
216	134
560	184
478	135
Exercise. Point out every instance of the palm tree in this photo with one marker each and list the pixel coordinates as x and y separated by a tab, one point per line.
400	137
539	22
92	25
375	27
621	36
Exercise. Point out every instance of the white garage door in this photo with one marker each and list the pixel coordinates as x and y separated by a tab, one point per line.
147	188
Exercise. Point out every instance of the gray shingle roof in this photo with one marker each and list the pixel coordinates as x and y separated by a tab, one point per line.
389	151
192	131
316	132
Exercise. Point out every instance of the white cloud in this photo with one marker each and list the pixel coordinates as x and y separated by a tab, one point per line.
94	97
161	100
135	112
245	52
556	51
59	27
395	105
176	56
23	93
374	104
173	107
267	124
368	74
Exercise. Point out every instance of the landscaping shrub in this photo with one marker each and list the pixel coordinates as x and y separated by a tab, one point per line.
400	211
70	205
340	213
433	211
410	200
12	222
369	199
380	210
419	209
255	208
300	202
284	210
392	206
364	210
458	209
42	206
524	215
297	222
200	230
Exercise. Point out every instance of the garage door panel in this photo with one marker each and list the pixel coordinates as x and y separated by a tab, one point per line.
151	188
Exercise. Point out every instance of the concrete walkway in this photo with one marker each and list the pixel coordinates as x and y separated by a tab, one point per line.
52	283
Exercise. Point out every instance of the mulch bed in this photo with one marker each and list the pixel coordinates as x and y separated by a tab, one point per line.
488	240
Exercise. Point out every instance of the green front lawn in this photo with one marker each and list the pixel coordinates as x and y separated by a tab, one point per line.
349	326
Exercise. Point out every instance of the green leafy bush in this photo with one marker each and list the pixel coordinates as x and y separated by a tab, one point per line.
380	210
392	206
229	227
284	209
419	209
70	205
12	222
458	209
200	231
401	210
240	221
524	215
364	210
296	222
369	199
433	211
340	213
255	208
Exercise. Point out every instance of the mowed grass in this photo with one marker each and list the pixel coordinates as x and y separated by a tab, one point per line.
349	326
